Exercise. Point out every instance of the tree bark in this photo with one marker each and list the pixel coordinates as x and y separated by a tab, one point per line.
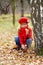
22	8
37	24
13	10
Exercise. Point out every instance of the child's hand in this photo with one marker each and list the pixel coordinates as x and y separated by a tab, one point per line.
24	46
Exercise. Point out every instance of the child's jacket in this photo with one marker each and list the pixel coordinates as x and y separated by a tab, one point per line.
23	34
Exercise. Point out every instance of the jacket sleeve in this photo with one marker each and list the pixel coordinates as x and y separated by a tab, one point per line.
20	35
30	33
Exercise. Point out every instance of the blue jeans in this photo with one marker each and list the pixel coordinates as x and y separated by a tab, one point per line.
18	42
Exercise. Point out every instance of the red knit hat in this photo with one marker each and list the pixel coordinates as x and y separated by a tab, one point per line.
22	20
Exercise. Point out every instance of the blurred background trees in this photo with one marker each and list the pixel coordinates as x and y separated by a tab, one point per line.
4	6
12	3
22	8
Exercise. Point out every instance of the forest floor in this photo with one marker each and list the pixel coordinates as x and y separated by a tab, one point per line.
9	56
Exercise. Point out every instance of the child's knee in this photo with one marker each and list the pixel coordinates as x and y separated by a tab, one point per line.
16	39
28	41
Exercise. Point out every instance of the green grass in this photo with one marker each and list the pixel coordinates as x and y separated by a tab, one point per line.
6	22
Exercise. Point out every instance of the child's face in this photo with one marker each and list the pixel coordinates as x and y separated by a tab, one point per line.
24	25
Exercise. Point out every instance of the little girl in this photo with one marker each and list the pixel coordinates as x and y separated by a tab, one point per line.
24	34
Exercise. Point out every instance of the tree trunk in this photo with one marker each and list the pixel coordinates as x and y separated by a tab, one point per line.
37	24
13	10
22	8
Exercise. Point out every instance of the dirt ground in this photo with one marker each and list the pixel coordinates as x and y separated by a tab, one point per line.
13	57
